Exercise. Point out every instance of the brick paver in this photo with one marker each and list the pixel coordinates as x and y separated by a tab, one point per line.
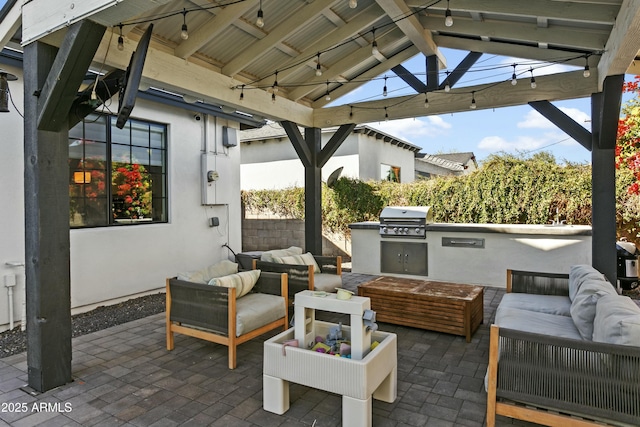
124	376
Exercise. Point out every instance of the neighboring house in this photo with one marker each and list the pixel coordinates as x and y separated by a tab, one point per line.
428	165
269	160
124	244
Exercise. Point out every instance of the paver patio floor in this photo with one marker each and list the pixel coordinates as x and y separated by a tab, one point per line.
124	376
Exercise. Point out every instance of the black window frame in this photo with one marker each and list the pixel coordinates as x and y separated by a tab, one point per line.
154	171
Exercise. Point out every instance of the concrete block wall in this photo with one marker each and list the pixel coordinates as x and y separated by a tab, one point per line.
259	234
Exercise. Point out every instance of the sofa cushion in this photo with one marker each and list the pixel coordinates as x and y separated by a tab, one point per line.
243	281
535	322
578	274
204	276
550	304
583	306
256	310
303	259
291	250
617	321
327	282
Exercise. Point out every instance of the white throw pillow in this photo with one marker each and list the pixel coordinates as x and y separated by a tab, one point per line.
269	255
222	268
243	281
303	259
583	306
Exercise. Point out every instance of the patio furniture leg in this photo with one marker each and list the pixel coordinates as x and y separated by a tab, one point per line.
275	395
356	412
492	376
387	391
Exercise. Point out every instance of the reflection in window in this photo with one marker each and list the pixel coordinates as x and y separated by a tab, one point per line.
117	176
389	173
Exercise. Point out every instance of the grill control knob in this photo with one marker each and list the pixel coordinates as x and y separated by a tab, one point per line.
406	230
384	229
417	230
395	229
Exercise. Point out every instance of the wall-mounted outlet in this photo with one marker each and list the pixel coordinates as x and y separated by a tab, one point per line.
214	222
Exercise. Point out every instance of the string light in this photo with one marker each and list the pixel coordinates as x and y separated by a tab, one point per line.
384	89
351	111
473	100
448	19
184	34
426	100
353	4
514	78
273	98
447	86
327	96
533	79
586	73
275	87
386	115
242	94
120	39
260	19
318	66
374	44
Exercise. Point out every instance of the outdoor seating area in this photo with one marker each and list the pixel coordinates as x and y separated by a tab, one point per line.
125	376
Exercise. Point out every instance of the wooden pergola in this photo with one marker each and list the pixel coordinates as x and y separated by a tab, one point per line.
309	47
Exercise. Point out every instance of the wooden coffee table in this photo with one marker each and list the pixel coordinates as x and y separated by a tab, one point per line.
437	306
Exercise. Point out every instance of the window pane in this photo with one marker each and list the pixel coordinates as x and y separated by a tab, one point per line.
131	191
140	134
157	158
140	155
120	136
95	129
121	153
157	136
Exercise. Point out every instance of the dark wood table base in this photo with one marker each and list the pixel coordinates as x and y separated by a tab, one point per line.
437	306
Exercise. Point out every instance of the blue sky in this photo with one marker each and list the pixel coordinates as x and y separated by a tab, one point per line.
512	129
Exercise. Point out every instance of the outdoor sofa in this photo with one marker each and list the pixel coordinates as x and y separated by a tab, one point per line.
564	350
305	271
224	306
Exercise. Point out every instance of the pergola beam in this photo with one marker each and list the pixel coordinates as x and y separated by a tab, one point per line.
564	122
461	69
409	78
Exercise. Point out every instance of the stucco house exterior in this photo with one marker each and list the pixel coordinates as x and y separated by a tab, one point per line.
269	160
114	255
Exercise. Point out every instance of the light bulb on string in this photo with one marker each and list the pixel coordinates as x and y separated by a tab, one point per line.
533	80
473	101
384	89
351	112
586	73
386	115
260	19
327	97
273	98
318	66
353	4
242	93
184	34
514	78
374	44
448	19
275	87
120	39
426	100
447	86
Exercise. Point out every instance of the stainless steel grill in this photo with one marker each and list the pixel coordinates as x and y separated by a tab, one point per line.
405	221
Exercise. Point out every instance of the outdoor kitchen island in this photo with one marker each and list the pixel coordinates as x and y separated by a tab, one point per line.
476	254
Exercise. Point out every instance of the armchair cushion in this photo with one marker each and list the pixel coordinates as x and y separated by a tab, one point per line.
204	276
268	255
583	306
303	259
243	281
617	321
578	275
256	310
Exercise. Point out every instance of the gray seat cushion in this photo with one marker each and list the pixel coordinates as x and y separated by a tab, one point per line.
326	282
617	321
550	304
539	323
256	310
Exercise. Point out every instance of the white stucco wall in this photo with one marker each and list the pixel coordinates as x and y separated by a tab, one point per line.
274	164
112	263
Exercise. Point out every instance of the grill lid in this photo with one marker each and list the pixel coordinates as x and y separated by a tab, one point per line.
407	213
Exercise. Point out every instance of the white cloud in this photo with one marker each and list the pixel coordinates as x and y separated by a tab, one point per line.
409	129
525	143
535	120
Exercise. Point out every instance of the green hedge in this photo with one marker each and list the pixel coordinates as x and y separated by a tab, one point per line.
507	189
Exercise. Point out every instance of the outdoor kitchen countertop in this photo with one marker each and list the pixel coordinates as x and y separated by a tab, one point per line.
558	230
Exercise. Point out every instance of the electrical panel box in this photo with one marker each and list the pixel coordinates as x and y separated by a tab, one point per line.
229	136
215	177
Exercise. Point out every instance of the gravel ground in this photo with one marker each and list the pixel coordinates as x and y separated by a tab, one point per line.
14	341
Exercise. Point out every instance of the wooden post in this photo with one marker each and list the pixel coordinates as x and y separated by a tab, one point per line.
46	183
